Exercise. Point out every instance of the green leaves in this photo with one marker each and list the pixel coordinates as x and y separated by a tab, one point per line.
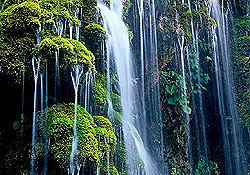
186	109
16	125
208	58
171	90
174	88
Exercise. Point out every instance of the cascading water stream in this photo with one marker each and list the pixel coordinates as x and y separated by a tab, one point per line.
41	98
46	146
59	29
86	88
22	109
57	75
108	76
181	41
35	67
71	31
141	10
119	48
75	75
198	102
149	93
234	156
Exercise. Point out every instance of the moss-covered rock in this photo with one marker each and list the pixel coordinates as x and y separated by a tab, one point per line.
94	36
104	130
116	101
94	33
95	135
20	18
241	59
100	93
74	52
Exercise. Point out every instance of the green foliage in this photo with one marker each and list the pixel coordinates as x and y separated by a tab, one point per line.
95	134
81	55
16	125
116	101
20	18
104	130
121	159
176	18
94	33
240	53
101	93
202	168
175	90
178	166
200	79
74	52
112	170
93	36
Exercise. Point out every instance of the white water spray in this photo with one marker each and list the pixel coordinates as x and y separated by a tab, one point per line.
119	47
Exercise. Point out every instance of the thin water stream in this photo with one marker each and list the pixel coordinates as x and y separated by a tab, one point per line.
234	156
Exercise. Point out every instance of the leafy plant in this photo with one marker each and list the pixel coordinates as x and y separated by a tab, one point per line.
174	88
203	168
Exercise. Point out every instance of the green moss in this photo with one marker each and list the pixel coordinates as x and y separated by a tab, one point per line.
127	4
89	10
101	93
112	170
118	117
20	18
95	134
82	55
121	159
240	53
47	46
105	130
94	35
74	52
95	31
116	101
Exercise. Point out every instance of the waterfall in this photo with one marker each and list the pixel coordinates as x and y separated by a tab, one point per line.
234	156
197	103
41	84
85	95
57	75
35	67
187	119
119	49
70	31
141	10
22	109
110	105
77	26
75	75
149	93
97	170
59	29
46	147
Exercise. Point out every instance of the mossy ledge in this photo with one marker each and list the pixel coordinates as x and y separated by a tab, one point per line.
95	136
